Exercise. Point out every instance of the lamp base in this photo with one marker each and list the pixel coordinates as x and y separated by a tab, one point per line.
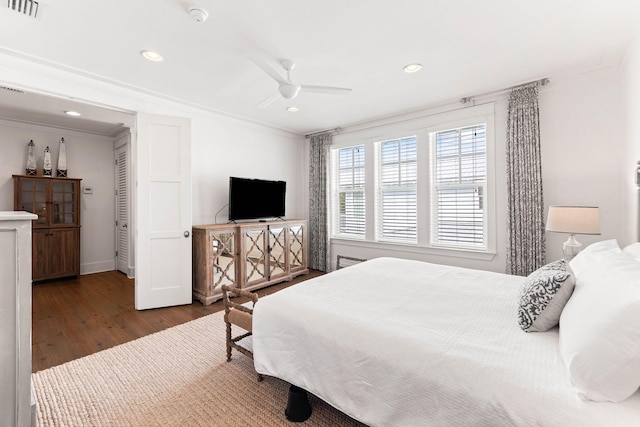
570	248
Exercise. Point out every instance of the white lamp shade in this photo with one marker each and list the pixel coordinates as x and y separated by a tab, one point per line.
573	219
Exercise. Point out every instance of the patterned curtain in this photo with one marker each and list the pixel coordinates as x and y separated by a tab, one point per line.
526	245
318	233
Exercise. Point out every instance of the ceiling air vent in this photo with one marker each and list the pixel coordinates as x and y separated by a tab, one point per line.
10	89
26	7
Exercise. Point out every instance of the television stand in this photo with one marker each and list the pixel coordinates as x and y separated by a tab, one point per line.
249	256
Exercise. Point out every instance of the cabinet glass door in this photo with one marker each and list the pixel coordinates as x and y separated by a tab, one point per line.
296	246
255	255
62	196
33	195
277	252
224	261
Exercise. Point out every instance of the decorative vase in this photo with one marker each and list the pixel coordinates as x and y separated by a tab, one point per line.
46	170
31	159
62	160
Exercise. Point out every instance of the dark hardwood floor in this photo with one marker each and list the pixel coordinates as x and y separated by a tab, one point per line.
75	318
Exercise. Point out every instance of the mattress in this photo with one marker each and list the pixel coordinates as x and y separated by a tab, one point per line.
395	342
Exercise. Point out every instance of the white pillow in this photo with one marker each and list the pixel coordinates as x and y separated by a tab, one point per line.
591	253
633	250
543	296
600	329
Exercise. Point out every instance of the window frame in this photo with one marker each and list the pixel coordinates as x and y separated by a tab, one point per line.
422	127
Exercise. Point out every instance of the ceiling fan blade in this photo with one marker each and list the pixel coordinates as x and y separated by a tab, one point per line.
270	100
267	69
325	89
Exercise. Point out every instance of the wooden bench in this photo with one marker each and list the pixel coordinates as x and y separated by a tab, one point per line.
240	315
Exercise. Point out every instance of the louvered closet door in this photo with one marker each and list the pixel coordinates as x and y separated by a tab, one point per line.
122	210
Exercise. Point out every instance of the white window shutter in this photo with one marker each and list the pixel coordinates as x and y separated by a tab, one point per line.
458	215
397	218
351	196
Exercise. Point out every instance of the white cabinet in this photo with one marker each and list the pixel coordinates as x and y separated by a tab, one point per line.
16	408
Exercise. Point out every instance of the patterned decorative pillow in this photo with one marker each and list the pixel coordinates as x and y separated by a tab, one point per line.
544	295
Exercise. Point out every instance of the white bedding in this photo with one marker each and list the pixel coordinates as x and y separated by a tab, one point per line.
393	342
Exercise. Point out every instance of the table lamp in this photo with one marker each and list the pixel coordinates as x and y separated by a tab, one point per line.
573	220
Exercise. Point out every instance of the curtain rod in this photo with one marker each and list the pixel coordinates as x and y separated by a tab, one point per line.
331	131
467	99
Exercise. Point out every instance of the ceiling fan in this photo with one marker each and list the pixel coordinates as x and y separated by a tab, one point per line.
289	90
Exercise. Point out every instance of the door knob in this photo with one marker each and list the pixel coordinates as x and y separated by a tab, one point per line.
186	234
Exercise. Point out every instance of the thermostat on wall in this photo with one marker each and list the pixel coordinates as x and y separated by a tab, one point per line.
87	190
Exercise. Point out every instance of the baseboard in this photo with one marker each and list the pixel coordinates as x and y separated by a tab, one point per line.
97	267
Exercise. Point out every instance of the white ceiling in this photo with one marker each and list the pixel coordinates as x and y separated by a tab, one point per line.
467	47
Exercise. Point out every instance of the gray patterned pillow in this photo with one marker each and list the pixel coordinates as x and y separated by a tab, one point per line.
544	295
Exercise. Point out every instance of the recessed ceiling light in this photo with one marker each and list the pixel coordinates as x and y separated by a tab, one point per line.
151	55
292	109
72	113
412	68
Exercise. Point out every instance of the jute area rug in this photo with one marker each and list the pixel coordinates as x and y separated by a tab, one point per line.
176	377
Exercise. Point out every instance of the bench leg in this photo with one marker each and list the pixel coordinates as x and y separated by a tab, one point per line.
228	342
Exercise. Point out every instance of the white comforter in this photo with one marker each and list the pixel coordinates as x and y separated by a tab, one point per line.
394	342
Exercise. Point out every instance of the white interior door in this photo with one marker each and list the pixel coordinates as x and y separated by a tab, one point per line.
163	211
122	209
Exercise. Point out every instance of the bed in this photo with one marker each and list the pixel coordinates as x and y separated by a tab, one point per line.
393	342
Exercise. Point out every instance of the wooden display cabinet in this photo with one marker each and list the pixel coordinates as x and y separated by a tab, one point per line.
272	252
248	256
297	247
215	261
263	254
56	232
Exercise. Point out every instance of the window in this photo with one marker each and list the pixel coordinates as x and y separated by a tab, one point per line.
458	186
418	186
398	177
351	194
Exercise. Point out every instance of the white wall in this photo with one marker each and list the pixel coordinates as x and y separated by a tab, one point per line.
583	151
222	149
89	157
583	140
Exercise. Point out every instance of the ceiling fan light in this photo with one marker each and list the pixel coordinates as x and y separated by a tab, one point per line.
289	91
412	68
151	55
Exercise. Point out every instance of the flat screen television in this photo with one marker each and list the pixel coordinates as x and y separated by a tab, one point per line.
256	198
